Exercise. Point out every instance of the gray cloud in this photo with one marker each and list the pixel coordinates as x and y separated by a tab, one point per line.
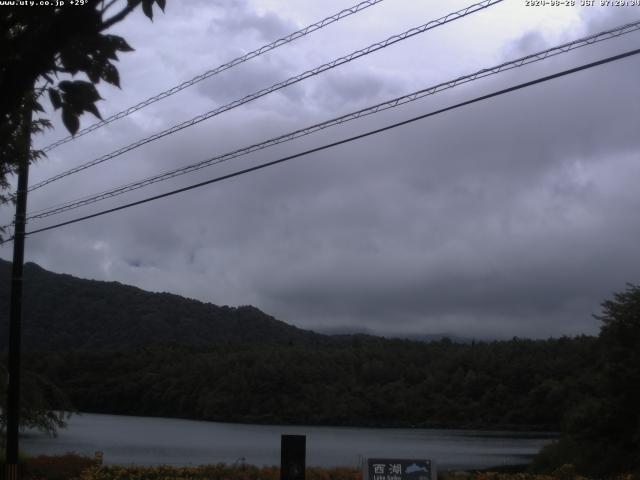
250	78
239	18
515	216
341	90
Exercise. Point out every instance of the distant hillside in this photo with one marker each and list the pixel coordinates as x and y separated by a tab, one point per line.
62	312
118	349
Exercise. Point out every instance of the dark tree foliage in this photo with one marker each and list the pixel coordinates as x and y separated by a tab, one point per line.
37	46
620	343
619	340
37	395
601	433
360	381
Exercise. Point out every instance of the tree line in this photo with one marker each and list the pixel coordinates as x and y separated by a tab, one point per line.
364	381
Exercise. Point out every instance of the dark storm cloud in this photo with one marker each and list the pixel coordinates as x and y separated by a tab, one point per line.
250	78
238	18
345	88
518	222
515	216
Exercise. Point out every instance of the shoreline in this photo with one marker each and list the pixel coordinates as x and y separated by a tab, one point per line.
544	431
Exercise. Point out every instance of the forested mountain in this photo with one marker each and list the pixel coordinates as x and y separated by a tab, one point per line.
62	312
118	349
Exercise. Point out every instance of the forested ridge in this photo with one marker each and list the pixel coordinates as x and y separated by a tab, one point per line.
63	312
118	349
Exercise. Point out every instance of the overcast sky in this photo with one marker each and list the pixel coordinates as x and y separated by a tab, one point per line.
515	216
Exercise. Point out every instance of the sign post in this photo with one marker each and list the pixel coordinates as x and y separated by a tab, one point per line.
292	457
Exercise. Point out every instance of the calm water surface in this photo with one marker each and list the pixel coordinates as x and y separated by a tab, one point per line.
150	441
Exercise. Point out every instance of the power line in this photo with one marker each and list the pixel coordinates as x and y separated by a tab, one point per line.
341	142
221	68
278	86
535	57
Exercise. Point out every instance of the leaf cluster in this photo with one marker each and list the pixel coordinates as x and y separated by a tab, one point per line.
36	50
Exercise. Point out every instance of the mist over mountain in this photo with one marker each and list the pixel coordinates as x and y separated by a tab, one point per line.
434	337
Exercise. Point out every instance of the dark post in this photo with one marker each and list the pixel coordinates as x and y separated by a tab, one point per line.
292	457
15	312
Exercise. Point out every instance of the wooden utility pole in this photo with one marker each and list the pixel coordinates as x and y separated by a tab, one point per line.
15	312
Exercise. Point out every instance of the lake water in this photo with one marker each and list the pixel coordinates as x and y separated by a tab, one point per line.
152	441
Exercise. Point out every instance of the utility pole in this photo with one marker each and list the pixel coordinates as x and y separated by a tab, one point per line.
15	312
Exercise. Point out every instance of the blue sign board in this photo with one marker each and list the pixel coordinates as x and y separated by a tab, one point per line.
399	469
